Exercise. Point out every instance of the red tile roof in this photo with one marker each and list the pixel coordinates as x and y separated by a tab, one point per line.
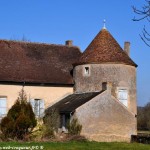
37	63
104	49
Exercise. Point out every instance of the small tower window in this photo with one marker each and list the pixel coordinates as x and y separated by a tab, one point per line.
87	71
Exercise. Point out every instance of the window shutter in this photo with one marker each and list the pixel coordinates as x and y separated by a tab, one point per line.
41	107
3	106
32	103
38	107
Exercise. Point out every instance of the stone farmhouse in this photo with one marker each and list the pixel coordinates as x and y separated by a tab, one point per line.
97	86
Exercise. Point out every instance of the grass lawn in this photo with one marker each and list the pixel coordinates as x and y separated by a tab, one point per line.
73	146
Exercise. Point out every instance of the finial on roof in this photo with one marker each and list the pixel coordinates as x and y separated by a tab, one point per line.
104	24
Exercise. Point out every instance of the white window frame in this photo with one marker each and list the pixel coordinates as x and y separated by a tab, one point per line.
39	109
3	107
122	95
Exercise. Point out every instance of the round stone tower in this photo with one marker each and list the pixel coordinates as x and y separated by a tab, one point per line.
105	61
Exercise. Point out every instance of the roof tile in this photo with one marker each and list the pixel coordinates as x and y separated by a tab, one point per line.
37	63
104	49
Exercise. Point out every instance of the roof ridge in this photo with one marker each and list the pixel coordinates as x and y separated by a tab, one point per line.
42	43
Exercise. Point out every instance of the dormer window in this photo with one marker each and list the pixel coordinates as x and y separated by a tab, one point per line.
87	71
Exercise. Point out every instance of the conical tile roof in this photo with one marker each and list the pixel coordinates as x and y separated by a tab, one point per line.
104	49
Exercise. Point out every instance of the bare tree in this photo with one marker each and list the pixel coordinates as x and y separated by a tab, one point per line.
22	39
144	14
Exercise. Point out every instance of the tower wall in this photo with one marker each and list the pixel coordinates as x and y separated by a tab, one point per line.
89	78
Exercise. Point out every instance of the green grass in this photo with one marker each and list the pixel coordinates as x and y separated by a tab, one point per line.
74	146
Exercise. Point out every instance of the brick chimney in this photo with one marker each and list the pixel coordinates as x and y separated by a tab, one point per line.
127	48
69	43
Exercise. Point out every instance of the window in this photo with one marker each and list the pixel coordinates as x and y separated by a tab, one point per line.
38	107
87	71
64	120
123	96
3	107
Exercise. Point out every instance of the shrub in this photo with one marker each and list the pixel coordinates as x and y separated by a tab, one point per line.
143	119
46	127
7	126
74	128
20	119
51	122
38	132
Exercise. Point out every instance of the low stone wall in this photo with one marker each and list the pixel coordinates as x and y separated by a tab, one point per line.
145	139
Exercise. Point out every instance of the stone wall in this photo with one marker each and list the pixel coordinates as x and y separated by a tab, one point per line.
120	75
104	118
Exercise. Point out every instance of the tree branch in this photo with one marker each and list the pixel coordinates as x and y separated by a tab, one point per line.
144	13
144	41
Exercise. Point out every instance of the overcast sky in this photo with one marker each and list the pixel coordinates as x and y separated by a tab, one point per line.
55	21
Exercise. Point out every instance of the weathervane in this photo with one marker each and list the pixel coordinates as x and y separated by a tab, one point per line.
104	24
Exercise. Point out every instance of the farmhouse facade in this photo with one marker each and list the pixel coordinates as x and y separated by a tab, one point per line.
43	70
97	86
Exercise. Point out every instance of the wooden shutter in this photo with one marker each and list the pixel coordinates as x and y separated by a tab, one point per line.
41	108
3	106
38	107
